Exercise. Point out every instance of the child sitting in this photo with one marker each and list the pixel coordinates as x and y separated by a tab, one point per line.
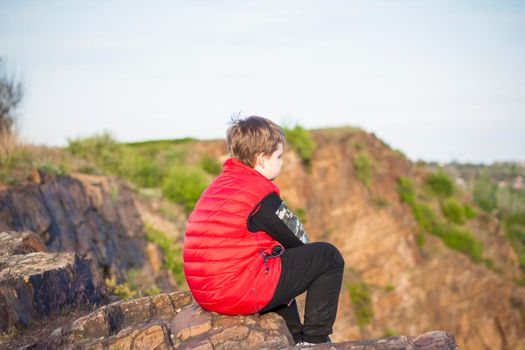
245	252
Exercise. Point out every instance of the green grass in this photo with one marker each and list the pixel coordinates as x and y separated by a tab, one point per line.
302	142
173	261
363	167
406	190
361	302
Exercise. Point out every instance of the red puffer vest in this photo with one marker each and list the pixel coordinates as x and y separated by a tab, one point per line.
224	263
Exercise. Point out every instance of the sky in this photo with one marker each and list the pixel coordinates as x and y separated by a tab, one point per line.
439	80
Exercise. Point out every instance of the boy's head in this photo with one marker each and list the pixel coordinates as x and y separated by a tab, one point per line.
249	138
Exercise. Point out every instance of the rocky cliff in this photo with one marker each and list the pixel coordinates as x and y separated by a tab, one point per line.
409	288
90	215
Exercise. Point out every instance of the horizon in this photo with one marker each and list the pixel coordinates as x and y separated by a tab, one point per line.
441	81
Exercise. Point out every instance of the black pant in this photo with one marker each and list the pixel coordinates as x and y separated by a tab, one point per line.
316	268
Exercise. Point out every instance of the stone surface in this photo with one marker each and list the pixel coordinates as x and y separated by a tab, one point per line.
13	243
174	321
35	283
91	215
412	289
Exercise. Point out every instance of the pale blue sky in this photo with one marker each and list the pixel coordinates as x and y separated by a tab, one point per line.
440	80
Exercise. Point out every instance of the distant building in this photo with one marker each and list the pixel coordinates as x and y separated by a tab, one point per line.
517	183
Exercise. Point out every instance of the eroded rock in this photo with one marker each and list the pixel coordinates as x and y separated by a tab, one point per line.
38	283
174	321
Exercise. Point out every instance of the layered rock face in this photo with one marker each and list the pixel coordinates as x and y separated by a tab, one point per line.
36	283
412	289
91	215
174	321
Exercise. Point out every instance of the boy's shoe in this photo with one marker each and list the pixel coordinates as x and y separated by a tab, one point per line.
305	343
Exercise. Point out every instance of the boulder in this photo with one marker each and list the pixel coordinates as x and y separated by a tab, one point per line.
34	282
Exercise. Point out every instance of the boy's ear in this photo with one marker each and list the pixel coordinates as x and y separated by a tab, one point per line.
260	160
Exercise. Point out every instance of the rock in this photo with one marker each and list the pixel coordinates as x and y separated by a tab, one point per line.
91	215
39	283
13	243
175	321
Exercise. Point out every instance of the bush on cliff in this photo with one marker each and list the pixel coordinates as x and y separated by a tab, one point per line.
406	190
302	141
361	302
453	210
363	168
439	184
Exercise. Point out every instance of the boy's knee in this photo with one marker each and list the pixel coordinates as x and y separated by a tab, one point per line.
332	252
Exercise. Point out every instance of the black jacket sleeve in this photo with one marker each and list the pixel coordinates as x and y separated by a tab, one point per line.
264	217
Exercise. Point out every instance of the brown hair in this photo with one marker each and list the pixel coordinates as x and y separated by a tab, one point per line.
248	137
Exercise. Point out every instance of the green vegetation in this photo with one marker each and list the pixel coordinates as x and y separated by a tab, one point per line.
439	184
469	212
406	189
389	332
130	287
153	164
363	167
484	193
301	215
361	302
430	222
497	189
173	261
380	202
453	211
184	185
102	149
211	166
302	141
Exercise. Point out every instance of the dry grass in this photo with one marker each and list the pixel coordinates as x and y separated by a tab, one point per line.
8	145
40	329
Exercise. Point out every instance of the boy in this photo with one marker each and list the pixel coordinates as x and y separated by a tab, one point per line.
246	253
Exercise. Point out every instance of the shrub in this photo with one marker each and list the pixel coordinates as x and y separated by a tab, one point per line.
102	149
211	166
425	217
50	168
184	185
301	140
440	184
421	239
360	296
464	242
173	261
453	211
141	170
406	190
469	212
363	167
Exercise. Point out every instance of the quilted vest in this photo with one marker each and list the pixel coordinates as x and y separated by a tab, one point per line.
226	266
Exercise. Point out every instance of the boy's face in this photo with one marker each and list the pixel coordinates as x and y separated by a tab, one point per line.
270	166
